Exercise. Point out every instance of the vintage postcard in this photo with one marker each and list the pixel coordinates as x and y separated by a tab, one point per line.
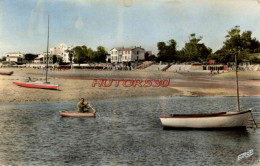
129	82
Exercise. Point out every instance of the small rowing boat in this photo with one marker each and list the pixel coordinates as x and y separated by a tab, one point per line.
211	120
77	114
6	73
39	85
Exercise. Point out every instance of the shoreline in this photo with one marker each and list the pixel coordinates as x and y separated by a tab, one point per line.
75	84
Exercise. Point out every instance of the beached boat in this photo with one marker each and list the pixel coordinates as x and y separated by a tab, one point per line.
76	114
6	73
211	120
39	85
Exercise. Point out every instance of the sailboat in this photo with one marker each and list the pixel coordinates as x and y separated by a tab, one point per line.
230	119
39	84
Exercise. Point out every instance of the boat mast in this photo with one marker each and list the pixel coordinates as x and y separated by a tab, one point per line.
238	103
47	61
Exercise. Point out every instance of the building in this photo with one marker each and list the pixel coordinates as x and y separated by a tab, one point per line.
14	57
63	51
42	58
121	54
38	60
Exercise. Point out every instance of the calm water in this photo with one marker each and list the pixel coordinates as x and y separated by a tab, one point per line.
126	132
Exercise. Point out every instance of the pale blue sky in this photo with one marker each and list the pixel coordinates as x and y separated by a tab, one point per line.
23	23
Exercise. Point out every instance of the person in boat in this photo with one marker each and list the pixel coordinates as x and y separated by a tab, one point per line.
83	107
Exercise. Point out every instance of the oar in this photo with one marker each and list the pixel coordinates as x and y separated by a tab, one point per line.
92	108
253	117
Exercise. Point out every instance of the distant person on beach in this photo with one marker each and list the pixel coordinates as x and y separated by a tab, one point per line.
82	106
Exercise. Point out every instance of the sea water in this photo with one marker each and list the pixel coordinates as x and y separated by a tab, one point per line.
126	131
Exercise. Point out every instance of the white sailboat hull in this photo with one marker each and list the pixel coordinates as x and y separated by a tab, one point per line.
217	120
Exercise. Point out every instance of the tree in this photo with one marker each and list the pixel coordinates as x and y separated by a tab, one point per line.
194	50
167	53
80	54
237	43
3	59
152	58
54	59
30	57
86	55
101	54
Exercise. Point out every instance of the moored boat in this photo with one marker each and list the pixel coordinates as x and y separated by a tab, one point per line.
211	120
6	73
77	114
230	119
39	85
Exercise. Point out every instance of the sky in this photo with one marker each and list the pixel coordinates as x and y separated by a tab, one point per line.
116	23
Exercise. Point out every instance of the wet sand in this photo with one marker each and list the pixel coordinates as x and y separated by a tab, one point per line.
74	84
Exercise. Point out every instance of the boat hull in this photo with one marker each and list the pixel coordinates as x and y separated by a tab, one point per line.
76	114
39	85
216	120
6	73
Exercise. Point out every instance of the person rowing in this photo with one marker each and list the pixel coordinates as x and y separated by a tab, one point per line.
82	106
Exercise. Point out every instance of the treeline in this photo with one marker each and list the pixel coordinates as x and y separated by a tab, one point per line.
83	54
237	43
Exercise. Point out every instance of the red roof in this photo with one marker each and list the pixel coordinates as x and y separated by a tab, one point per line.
127	49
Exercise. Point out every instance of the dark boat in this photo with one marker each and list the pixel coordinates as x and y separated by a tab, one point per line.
6	73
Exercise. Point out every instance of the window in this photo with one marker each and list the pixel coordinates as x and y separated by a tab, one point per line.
137	52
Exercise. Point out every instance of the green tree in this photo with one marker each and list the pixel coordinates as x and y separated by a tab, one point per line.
194	50
237	43
152	58
83	54
167	53
101	54
30	57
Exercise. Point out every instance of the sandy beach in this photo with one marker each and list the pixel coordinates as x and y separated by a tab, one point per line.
74	84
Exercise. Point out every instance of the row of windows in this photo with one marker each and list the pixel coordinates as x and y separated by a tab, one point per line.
125	58
114	52
114	58
125	52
